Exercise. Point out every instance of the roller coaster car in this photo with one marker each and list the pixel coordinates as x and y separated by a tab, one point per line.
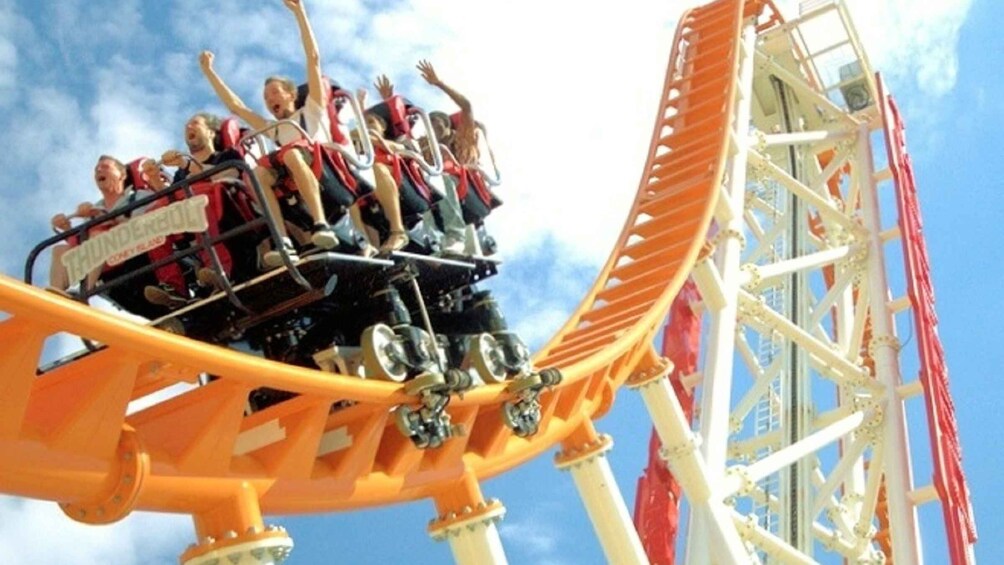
341	312
360	321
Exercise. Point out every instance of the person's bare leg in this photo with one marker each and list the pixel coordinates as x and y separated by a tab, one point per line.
266	178
387	194
306	184
310	192
356	214
58	277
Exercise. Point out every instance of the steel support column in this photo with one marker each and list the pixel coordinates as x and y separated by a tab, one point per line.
884	348
584	456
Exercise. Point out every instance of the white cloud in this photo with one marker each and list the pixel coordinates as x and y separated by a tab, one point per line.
43	535
115	25
8	65
535	537
913	42
547	89
10	23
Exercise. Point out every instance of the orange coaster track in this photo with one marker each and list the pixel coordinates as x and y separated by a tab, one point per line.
67	437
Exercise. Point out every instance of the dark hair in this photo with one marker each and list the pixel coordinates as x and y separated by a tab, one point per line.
213	122
443	116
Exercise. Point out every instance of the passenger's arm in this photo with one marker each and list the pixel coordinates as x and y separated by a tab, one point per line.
315	78
227	96
384	87
152	173
395	146
87	210
430	76
60	222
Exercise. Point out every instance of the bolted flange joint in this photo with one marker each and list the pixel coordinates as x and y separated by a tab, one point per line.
469	518
652	374
584	453
130	469
271	545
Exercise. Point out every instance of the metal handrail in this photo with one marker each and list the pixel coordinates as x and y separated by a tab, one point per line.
206	243
362	131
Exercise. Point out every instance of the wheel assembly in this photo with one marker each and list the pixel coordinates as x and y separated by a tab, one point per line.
383	356
486	358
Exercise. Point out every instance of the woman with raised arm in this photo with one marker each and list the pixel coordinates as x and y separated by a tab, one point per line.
462	141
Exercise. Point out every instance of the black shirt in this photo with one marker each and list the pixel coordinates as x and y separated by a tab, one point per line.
213	160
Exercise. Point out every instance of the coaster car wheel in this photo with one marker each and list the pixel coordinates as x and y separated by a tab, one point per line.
383	356
486	357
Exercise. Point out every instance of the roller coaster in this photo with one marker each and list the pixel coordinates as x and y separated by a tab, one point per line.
755	248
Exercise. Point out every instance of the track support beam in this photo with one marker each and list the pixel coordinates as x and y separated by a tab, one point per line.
468	522
234	532
884	348
584	456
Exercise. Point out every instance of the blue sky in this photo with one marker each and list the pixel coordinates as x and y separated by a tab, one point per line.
569	101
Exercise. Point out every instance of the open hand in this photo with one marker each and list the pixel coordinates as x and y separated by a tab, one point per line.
384	87
428	73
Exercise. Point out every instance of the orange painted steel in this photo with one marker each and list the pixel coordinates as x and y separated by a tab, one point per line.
66	436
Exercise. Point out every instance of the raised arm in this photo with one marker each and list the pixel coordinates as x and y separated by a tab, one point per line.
227	96
430	76
315	78
384	87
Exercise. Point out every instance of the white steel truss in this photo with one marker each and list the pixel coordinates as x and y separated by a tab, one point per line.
801	431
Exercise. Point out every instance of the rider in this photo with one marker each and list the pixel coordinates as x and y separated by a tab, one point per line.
200	137
460	135
462	140
295	154
447	209
387	191
110	176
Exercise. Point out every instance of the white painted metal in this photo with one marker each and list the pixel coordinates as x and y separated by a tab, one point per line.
823	203
680	450
477	544
804	137
763	276
605	506
745	476
475	541
885	352
268	551
709	283
717	384
773	546
789	462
